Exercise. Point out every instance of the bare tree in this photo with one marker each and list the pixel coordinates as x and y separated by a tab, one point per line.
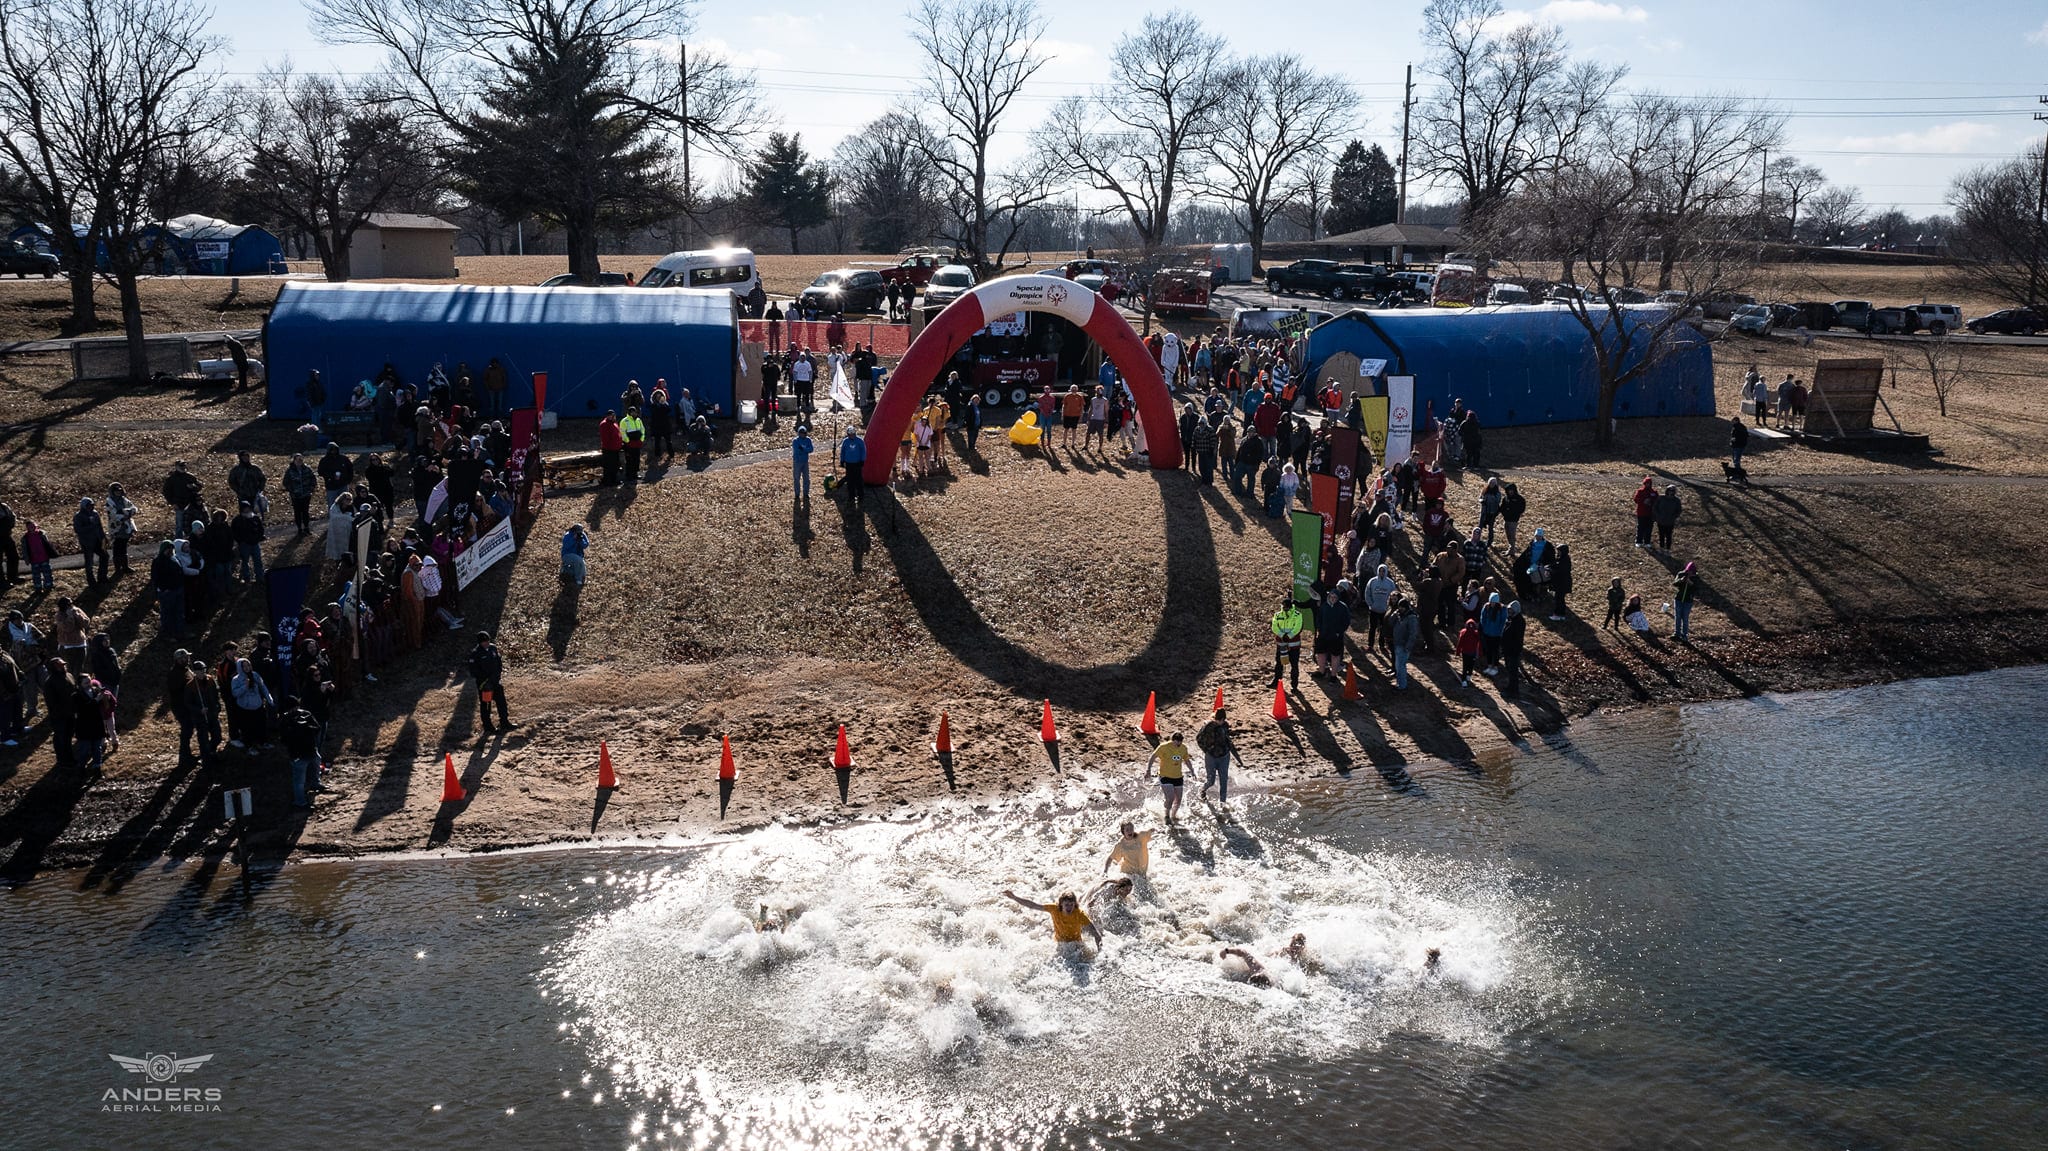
560	110
1309	192
977	56
325	154
1276	116
1791	180
1835	212
1138	135
1707	149
1947	359
107	99
1507	105
891	187
1591	217
1999	232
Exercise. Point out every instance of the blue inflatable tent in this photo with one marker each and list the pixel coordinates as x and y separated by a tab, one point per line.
204	246
1520	365
589	341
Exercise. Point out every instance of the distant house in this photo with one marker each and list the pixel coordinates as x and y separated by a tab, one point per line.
1397	243
399	245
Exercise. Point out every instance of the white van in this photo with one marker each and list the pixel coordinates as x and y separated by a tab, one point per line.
728	268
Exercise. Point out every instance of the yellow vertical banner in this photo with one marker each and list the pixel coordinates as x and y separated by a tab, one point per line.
1372	411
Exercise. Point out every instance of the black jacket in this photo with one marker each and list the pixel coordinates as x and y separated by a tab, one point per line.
486	665
301	732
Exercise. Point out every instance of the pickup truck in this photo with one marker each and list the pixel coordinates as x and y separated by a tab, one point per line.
1328	278
24	261
1860	316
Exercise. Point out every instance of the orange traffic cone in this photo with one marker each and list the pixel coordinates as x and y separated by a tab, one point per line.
727	776
606	781
1218	705
1279	701
1150	724
943	745
1350	681
451	787
1046	729
842	763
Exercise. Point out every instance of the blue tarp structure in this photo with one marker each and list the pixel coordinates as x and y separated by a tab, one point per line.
204	246
1520	365
589	341
38	237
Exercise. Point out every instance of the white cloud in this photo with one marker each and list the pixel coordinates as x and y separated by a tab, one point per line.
1662	46
1957	136
1589	11
2039	35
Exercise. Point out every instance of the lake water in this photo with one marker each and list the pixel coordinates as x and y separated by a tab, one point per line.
1815	921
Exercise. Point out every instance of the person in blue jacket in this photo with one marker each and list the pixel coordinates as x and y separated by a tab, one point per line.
853	456
800	450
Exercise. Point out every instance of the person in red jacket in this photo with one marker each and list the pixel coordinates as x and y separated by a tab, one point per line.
1432	483
1646	508
1468	651
1266	422
610	443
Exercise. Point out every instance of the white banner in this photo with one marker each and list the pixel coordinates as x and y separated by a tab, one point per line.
209	249
1371	369
840	391
1400	418
488	549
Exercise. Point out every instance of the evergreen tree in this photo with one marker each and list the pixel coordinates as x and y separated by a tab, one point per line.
551	141
786	188
1363	190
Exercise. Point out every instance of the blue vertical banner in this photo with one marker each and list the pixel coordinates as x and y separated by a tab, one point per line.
286	588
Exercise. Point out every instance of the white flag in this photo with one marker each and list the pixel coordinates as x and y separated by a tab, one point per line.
842	392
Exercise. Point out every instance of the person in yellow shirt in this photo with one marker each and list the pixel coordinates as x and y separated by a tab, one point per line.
1068	920
1133	851
1172	758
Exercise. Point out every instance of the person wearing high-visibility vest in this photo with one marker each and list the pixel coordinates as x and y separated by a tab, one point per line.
633	430
1287	642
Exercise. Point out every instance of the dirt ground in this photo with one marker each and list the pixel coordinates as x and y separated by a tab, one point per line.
717	606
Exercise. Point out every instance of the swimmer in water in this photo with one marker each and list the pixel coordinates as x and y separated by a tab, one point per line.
763	921
1068	920
1117	889
1172	757
1432	960
1296	952
1133	851
1255	972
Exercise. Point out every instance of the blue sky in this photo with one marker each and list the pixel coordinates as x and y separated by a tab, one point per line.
1878	95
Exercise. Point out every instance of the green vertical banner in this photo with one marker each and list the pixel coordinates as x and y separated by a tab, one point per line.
1308	554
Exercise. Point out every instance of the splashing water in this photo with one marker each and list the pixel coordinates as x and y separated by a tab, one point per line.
904	999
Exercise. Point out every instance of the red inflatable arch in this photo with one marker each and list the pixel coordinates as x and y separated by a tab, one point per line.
1028	293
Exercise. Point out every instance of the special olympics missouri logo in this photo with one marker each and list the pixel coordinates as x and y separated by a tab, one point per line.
160	1070
1056	295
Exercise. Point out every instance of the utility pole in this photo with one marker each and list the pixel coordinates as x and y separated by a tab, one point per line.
2040	221
689	201
1401	205
1407	102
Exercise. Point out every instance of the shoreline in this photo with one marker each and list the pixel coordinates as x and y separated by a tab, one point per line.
69	858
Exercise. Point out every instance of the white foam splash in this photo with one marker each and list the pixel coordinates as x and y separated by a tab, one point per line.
903	990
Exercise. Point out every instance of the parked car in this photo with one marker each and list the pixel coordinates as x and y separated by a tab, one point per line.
1722	305
728	268
1313	277
948	284
1754	319
1182	290
604	280
1940	319
1510	294
1891	321
1459	286
915	269
1414	285
849	290
1103	277
2010	322
1817	316
1360	282
1853	314
24	261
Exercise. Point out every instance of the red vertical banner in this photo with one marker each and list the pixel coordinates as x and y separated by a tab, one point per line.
1322	496
540	391
523	470
1343	461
